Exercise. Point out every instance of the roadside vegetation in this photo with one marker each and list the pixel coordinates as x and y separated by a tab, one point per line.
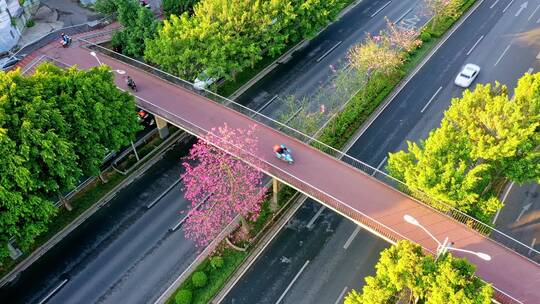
56	126
485	140
404	274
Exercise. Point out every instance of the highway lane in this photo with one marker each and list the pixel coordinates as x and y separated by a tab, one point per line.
407	117
122	245
308	68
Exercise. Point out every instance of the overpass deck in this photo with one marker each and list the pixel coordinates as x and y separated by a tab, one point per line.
343	185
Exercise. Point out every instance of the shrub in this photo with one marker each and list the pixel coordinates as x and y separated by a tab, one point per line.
30	23
216	262
184	296
199	279
425	36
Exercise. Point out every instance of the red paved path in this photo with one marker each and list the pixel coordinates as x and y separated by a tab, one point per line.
341	187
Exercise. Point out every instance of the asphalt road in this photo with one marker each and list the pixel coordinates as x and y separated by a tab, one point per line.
507	49
124	253
309	68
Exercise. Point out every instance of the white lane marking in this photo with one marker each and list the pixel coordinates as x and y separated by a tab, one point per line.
292	282
494	3
181	222
504	10
502	55
50	294
523	210
330	50
402	16
530	70
341	295
267	103
521	8
534	12
351	237
380	9
430	100
538	55
314	218
538	21
382	163
477	41
502	201
532	246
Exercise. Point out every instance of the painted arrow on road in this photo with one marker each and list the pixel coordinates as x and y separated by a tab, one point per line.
522	7
525	208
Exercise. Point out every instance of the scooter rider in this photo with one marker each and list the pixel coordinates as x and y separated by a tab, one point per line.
281	150
65	38
131	83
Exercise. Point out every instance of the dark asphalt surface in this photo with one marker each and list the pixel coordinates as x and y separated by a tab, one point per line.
333	270
123	253
307	69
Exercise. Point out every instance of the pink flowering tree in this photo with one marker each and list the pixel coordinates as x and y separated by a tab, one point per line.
220	184
440	9
404	39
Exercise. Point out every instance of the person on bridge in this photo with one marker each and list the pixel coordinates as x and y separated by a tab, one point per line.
281	149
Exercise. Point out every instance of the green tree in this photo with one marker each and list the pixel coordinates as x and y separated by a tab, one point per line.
223	37
54	126
177	7
138	25
484	139
405	274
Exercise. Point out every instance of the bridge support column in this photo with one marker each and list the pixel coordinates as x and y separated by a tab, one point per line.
275	186
162	127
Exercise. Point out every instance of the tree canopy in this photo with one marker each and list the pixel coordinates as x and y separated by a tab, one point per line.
55	126
223	37
138	22
220	185
484	139
405	274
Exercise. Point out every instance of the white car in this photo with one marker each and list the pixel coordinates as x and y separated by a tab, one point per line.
203	81
467	75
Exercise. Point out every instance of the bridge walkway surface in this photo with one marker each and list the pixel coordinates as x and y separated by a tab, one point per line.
338	181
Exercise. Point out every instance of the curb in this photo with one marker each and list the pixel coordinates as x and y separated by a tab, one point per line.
288	55
40	251
413	73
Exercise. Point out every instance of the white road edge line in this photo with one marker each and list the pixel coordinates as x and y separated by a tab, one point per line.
430	100
532	246
504	10
330	50
314	218
351	237
538	21
502	55
530	70
538	55
534	12
267	103
292	282
502	201
478	41
341	295
382	162
494	3
402	16
50	294
380	9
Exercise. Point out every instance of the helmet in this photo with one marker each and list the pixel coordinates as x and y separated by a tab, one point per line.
276	148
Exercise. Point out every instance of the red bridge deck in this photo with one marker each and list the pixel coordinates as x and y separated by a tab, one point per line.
343	188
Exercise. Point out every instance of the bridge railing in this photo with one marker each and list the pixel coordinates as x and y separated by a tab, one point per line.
422	198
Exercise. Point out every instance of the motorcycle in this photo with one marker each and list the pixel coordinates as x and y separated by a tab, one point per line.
65	42
131	84
285	156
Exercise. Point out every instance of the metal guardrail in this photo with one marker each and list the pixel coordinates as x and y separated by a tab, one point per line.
503	239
